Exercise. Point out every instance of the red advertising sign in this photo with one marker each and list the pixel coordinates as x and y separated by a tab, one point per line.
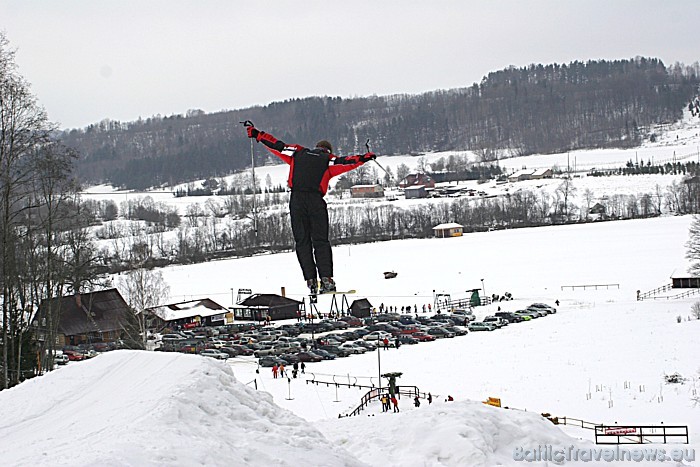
620	430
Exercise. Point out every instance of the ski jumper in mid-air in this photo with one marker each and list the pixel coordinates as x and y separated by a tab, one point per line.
310	171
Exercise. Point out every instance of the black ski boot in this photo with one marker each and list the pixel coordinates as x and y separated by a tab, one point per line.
312	284
327	285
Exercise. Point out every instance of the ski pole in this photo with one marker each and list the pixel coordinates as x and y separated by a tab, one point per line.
247	123
378	164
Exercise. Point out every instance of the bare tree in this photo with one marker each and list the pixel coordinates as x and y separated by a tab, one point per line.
142	288
588	198
566	190
695	310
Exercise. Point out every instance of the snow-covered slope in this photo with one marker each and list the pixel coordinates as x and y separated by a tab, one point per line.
149	408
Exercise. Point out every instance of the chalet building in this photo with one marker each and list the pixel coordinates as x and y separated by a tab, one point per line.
259	306
520	175
448	230
680	279
417	179
87	318
540	174
361	308
367	191
204	312
414	192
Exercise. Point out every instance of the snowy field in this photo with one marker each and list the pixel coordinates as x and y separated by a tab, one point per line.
602	358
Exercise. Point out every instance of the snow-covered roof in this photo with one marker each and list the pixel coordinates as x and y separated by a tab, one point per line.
449	225
204	307
521	173
542	171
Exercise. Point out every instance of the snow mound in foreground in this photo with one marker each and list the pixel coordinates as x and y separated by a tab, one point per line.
445	434
148	408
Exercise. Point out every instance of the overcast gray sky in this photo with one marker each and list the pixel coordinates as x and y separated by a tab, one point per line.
88	60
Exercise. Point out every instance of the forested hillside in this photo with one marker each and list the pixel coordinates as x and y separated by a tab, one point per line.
515	111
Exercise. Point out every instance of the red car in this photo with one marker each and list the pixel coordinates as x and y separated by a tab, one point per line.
423	337
74	356
410	330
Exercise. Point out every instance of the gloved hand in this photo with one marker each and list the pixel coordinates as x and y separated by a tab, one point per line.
368	157
252	132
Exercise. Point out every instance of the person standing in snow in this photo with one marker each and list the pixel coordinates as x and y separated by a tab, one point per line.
386	343
385	402
310	171
416	401
303	368
274	371
395	403
430	398
281	370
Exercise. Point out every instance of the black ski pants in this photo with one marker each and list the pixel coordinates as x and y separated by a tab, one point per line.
309	216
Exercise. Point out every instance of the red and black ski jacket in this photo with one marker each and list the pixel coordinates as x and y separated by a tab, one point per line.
309	169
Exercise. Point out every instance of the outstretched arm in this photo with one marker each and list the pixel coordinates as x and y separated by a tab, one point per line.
272	144
344	164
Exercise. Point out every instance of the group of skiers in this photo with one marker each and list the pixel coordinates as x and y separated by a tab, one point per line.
389	401
280	370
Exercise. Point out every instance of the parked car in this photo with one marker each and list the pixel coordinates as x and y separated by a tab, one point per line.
73	355
456	330
377	336
290	357
269	350
481	326
172	337
407	339
407	319
337	324
423	337
352	348
510	317
351	335
214	354
309	357
410	330
461	320
241	349
351	320
543	306
230	351
527	314
271	361
366	344
324	354
334	349
496	321
387	317
61	359
439	331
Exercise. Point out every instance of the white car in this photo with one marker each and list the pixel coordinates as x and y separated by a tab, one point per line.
60	359
219	355
495	320
353	348
377	335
